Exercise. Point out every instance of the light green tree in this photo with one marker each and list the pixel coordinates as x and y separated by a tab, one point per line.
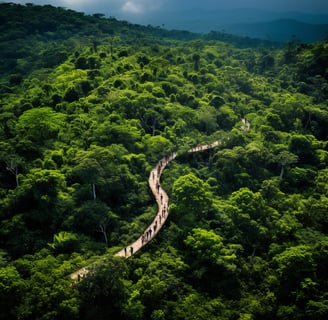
39	124
191	199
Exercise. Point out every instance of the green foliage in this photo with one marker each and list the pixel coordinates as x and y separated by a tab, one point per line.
104	291
208	246
191	199
39	124
65	242
88	107
12	289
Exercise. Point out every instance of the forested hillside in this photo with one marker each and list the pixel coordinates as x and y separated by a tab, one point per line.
89	105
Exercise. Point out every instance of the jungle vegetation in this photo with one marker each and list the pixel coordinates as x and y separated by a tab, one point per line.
88	106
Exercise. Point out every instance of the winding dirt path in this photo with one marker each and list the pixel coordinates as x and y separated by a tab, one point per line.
162	201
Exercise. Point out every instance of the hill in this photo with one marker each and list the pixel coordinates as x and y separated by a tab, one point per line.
89	105
282	31
253	23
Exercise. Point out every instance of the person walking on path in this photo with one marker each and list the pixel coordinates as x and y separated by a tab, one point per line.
162	209
161	199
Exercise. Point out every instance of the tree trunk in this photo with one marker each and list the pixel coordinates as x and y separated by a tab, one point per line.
103	231
16	176
94	191
154	127
14	170
281	172
253	254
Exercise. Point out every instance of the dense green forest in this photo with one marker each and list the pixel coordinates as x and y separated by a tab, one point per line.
90	104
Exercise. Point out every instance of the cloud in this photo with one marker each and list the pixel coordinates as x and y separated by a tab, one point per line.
76	2
132	7
140	6
119	8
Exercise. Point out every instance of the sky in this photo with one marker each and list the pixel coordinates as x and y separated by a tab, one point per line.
136	9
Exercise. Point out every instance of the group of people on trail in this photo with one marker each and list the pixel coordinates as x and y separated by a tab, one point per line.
147	235
151	231
157	186
131	251
162	208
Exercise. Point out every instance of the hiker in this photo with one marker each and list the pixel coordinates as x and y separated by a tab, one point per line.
163	211
125	251
131	250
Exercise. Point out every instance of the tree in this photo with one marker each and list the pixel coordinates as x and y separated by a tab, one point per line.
12	290
12	160
158	66
93	165
71	95
208	246
197	306
93	217
41	203
252	218
304	147
196	60
40	124
191	199
49	293
89	170
213	263
156	147
207	119
104	291
284	158
12	166
158	277
293	265
321	182
118	131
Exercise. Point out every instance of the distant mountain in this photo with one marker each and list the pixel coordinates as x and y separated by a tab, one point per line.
282	30
276	26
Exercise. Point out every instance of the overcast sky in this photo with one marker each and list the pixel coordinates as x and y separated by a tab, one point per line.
127	9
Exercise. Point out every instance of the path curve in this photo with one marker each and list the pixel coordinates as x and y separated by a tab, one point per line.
162	200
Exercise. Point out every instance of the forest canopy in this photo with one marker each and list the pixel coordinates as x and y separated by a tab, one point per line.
88	107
